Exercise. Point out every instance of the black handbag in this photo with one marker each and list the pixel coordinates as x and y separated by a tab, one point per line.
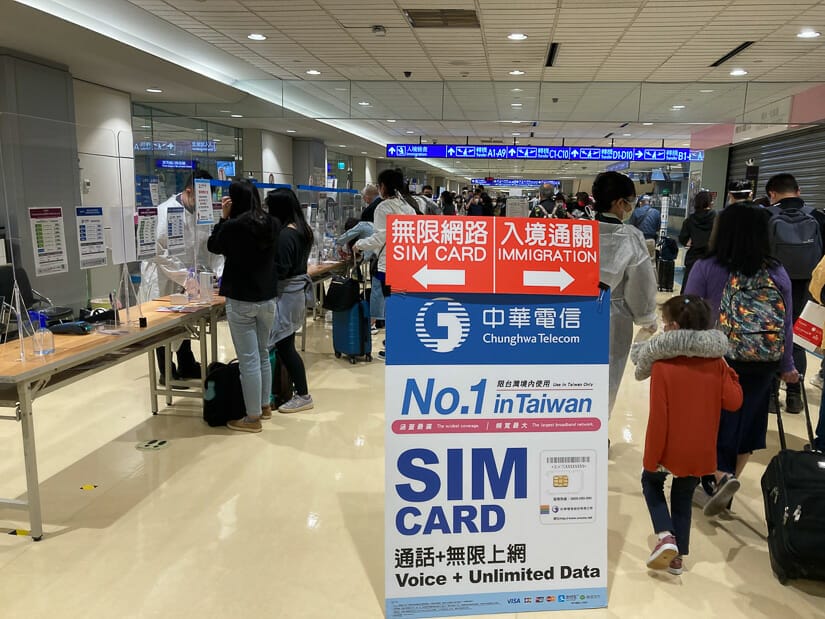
343	293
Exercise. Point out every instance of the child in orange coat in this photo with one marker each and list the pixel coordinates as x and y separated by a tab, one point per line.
690	385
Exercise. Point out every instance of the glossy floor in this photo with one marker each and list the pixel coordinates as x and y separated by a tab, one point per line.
288	523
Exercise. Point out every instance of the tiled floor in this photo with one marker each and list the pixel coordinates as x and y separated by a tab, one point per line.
289	523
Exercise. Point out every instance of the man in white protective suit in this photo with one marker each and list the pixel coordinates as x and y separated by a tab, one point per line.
166	273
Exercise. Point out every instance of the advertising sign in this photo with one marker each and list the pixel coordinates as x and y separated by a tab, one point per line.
91	242
203	202
493	255
48	241
496	454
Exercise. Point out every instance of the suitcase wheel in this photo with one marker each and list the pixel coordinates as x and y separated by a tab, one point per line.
337	355
368	357
353	360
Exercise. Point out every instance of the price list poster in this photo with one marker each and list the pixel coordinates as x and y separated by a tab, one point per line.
48	241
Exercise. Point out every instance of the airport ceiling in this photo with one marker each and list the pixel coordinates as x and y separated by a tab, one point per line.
633	71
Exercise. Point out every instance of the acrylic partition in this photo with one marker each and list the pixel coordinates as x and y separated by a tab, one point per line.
67	213
327	211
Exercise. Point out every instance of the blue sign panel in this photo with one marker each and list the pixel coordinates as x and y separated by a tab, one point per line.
513	182
499	330
174	164
543	153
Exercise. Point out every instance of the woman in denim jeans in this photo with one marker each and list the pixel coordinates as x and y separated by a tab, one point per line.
248	238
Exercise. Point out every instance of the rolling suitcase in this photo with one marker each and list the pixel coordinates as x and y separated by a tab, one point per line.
793	489
351	332
665	271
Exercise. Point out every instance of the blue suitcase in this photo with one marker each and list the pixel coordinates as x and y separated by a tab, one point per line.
351	332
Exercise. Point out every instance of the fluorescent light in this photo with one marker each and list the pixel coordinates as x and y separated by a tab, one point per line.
648	124
516	72
146	126
216	139
627	135
515	105
808	34
686	144
154	90
342	146
678	107
199	129
706	90
517	36
363	152
290	130
364	103
256	37
516	133
515	90
236	115
391	121
410	132
313	72
738	72
226	111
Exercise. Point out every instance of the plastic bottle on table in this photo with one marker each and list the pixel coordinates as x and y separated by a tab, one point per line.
43	339
191	286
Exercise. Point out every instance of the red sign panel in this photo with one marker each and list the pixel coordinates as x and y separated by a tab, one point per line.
493	255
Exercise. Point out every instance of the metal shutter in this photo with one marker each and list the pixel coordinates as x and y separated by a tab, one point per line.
801	153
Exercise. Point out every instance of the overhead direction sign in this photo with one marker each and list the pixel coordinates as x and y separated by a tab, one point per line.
488	255
543	153
513	182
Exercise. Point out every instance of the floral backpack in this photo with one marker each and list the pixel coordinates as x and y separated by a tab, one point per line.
752	316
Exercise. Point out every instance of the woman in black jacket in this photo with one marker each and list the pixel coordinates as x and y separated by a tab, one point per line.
695	234
294	285
248	237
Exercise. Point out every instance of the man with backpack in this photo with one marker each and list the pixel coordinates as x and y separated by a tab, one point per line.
796	237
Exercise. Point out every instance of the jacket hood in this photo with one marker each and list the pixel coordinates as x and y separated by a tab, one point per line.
704	220
709	344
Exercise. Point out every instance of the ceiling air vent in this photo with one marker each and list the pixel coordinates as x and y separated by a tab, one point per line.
551	55
442	18
732	53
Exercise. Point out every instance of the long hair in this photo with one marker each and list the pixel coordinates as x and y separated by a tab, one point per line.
283	204
740	241
246	202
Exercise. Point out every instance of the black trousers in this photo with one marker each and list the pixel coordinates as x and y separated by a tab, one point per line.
184	352
285	350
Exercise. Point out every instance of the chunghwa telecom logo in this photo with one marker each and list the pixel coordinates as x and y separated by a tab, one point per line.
452	321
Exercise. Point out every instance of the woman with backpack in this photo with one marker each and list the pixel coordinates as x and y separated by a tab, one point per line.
750	295
248	238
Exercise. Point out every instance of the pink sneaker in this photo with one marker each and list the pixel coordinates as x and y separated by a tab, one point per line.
675	566
665	551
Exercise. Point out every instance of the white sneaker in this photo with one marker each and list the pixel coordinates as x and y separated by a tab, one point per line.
297	404
817	380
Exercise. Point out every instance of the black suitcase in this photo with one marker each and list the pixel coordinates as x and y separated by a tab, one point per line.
665	270
793	488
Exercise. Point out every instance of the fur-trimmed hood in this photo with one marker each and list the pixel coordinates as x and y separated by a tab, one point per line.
709	344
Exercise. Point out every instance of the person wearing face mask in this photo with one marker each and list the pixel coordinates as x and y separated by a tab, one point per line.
626	268
166	273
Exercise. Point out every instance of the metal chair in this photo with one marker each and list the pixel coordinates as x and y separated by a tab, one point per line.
31	299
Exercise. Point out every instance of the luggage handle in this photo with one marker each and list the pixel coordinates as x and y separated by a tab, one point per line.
782	440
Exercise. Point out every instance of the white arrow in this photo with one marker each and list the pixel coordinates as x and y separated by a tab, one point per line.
575	153
392	150
451	151
512	152
439	277
639	154
560	279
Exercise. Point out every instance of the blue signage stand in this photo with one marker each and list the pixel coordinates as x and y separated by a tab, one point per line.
496	454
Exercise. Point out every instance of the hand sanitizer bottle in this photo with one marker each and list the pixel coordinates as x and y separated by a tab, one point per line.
43	339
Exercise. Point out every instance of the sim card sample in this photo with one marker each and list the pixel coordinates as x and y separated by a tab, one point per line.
568	487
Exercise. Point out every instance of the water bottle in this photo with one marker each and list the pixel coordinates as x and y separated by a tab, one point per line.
191	286
43	339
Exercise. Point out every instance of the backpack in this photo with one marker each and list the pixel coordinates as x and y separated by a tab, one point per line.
668	249
752	316
222	394
796	240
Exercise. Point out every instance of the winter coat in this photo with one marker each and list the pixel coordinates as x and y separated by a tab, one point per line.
690	384
377	242
647	219
626	268
696	231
